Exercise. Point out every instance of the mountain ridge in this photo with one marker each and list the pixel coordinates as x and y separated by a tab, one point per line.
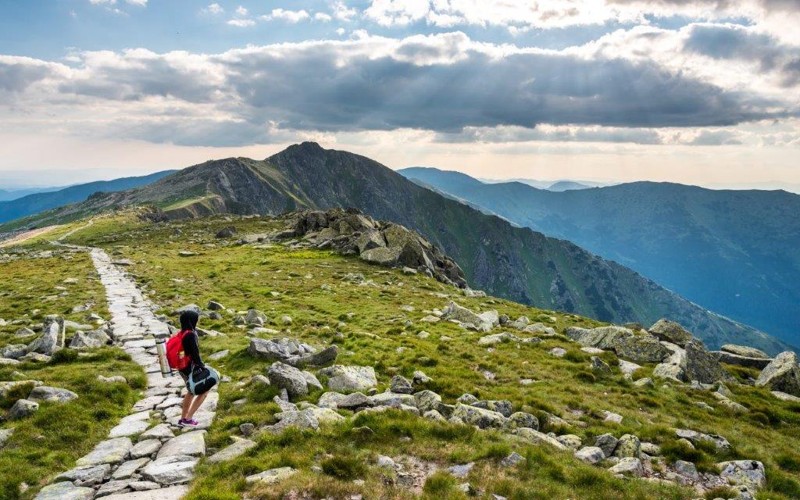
733	251
504	260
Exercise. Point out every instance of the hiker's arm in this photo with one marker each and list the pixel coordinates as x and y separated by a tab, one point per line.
192	349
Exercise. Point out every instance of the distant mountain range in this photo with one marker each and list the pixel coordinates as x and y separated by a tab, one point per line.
734	252
14	194
42	201
496	256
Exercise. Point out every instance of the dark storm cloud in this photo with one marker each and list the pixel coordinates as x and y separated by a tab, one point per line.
736	42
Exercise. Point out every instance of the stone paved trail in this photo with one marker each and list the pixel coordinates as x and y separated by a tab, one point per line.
146	456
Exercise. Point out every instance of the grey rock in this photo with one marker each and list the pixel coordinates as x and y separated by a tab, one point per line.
639	347
701	365
747	352
644	382
126	470
247	429
628	446
479	417
628	466
427	400
213	305
599	366
22	408
174	469
502	406
13	351
607	443
719	442
51	394
86	476
111	451
748	473
188	443
160	431
401	385
468	318
671	331
687	470
219	355
782	374
65	491
558	352
590	454
355	401
512	459
303	419
51	339
420	377
238	448
570	441
5	435
288	377
145	448
350	378
537	437
111	487
735	359
461	471
522	419
271	476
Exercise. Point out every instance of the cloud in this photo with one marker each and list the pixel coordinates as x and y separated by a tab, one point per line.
213	9
138	3
241	23
290	16
447	84
342	12
241	11
323	17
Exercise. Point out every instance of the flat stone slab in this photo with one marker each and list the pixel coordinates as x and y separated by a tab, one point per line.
111	487
148	403
171	493
111	451
145	448
65	491
239	447
129	428
86	476
190	443
160	431
127	469
174	469
271	476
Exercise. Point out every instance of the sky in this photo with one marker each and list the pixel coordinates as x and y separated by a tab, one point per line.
702	92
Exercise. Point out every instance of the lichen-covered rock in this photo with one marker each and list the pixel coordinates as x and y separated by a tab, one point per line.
350	378
670	331
748	473
479	417
701	365
782	374
607	443
590	454
51	339
22	408
628	466
628	446
288	377
639	347
747	352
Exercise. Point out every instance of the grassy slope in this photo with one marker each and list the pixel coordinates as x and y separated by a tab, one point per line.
243	276
49	442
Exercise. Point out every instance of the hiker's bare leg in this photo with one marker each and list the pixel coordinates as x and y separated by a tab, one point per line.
198	400
186	405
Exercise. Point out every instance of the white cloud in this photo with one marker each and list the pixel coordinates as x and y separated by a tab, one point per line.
340	31
241	11
213	9
102	2
241	23
342	12
138	3
290	16
322	17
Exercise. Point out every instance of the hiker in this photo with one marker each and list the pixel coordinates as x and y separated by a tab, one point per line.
191	349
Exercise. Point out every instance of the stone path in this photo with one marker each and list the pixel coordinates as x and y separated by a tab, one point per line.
146	456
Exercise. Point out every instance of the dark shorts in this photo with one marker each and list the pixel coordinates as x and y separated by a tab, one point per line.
185	377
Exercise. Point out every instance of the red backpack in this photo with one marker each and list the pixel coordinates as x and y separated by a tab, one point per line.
175	356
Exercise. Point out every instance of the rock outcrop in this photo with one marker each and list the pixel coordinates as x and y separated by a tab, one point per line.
639	347
782	374
385	243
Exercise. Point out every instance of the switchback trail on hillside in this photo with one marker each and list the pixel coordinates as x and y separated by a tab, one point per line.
146	456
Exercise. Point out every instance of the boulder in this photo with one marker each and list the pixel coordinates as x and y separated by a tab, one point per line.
674	367
747	352
22	408
628	466
13	351
5	435
536	437
747	473
254	317
701	365
238	448
670	331
607	443
350	378
522	419
400	385
82	341
639	347
288	377
735	359
599	366
467	318
628	446
427	400
781	374
590	454
719	442
51	339
51	394
479	417
87	475
502	406
226	232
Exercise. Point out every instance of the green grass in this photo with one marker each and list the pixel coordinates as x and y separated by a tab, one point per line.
52	439
367	322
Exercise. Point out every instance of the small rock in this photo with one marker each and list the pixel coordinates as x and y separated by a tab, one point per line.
22	408
590	454
271	476
513	459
